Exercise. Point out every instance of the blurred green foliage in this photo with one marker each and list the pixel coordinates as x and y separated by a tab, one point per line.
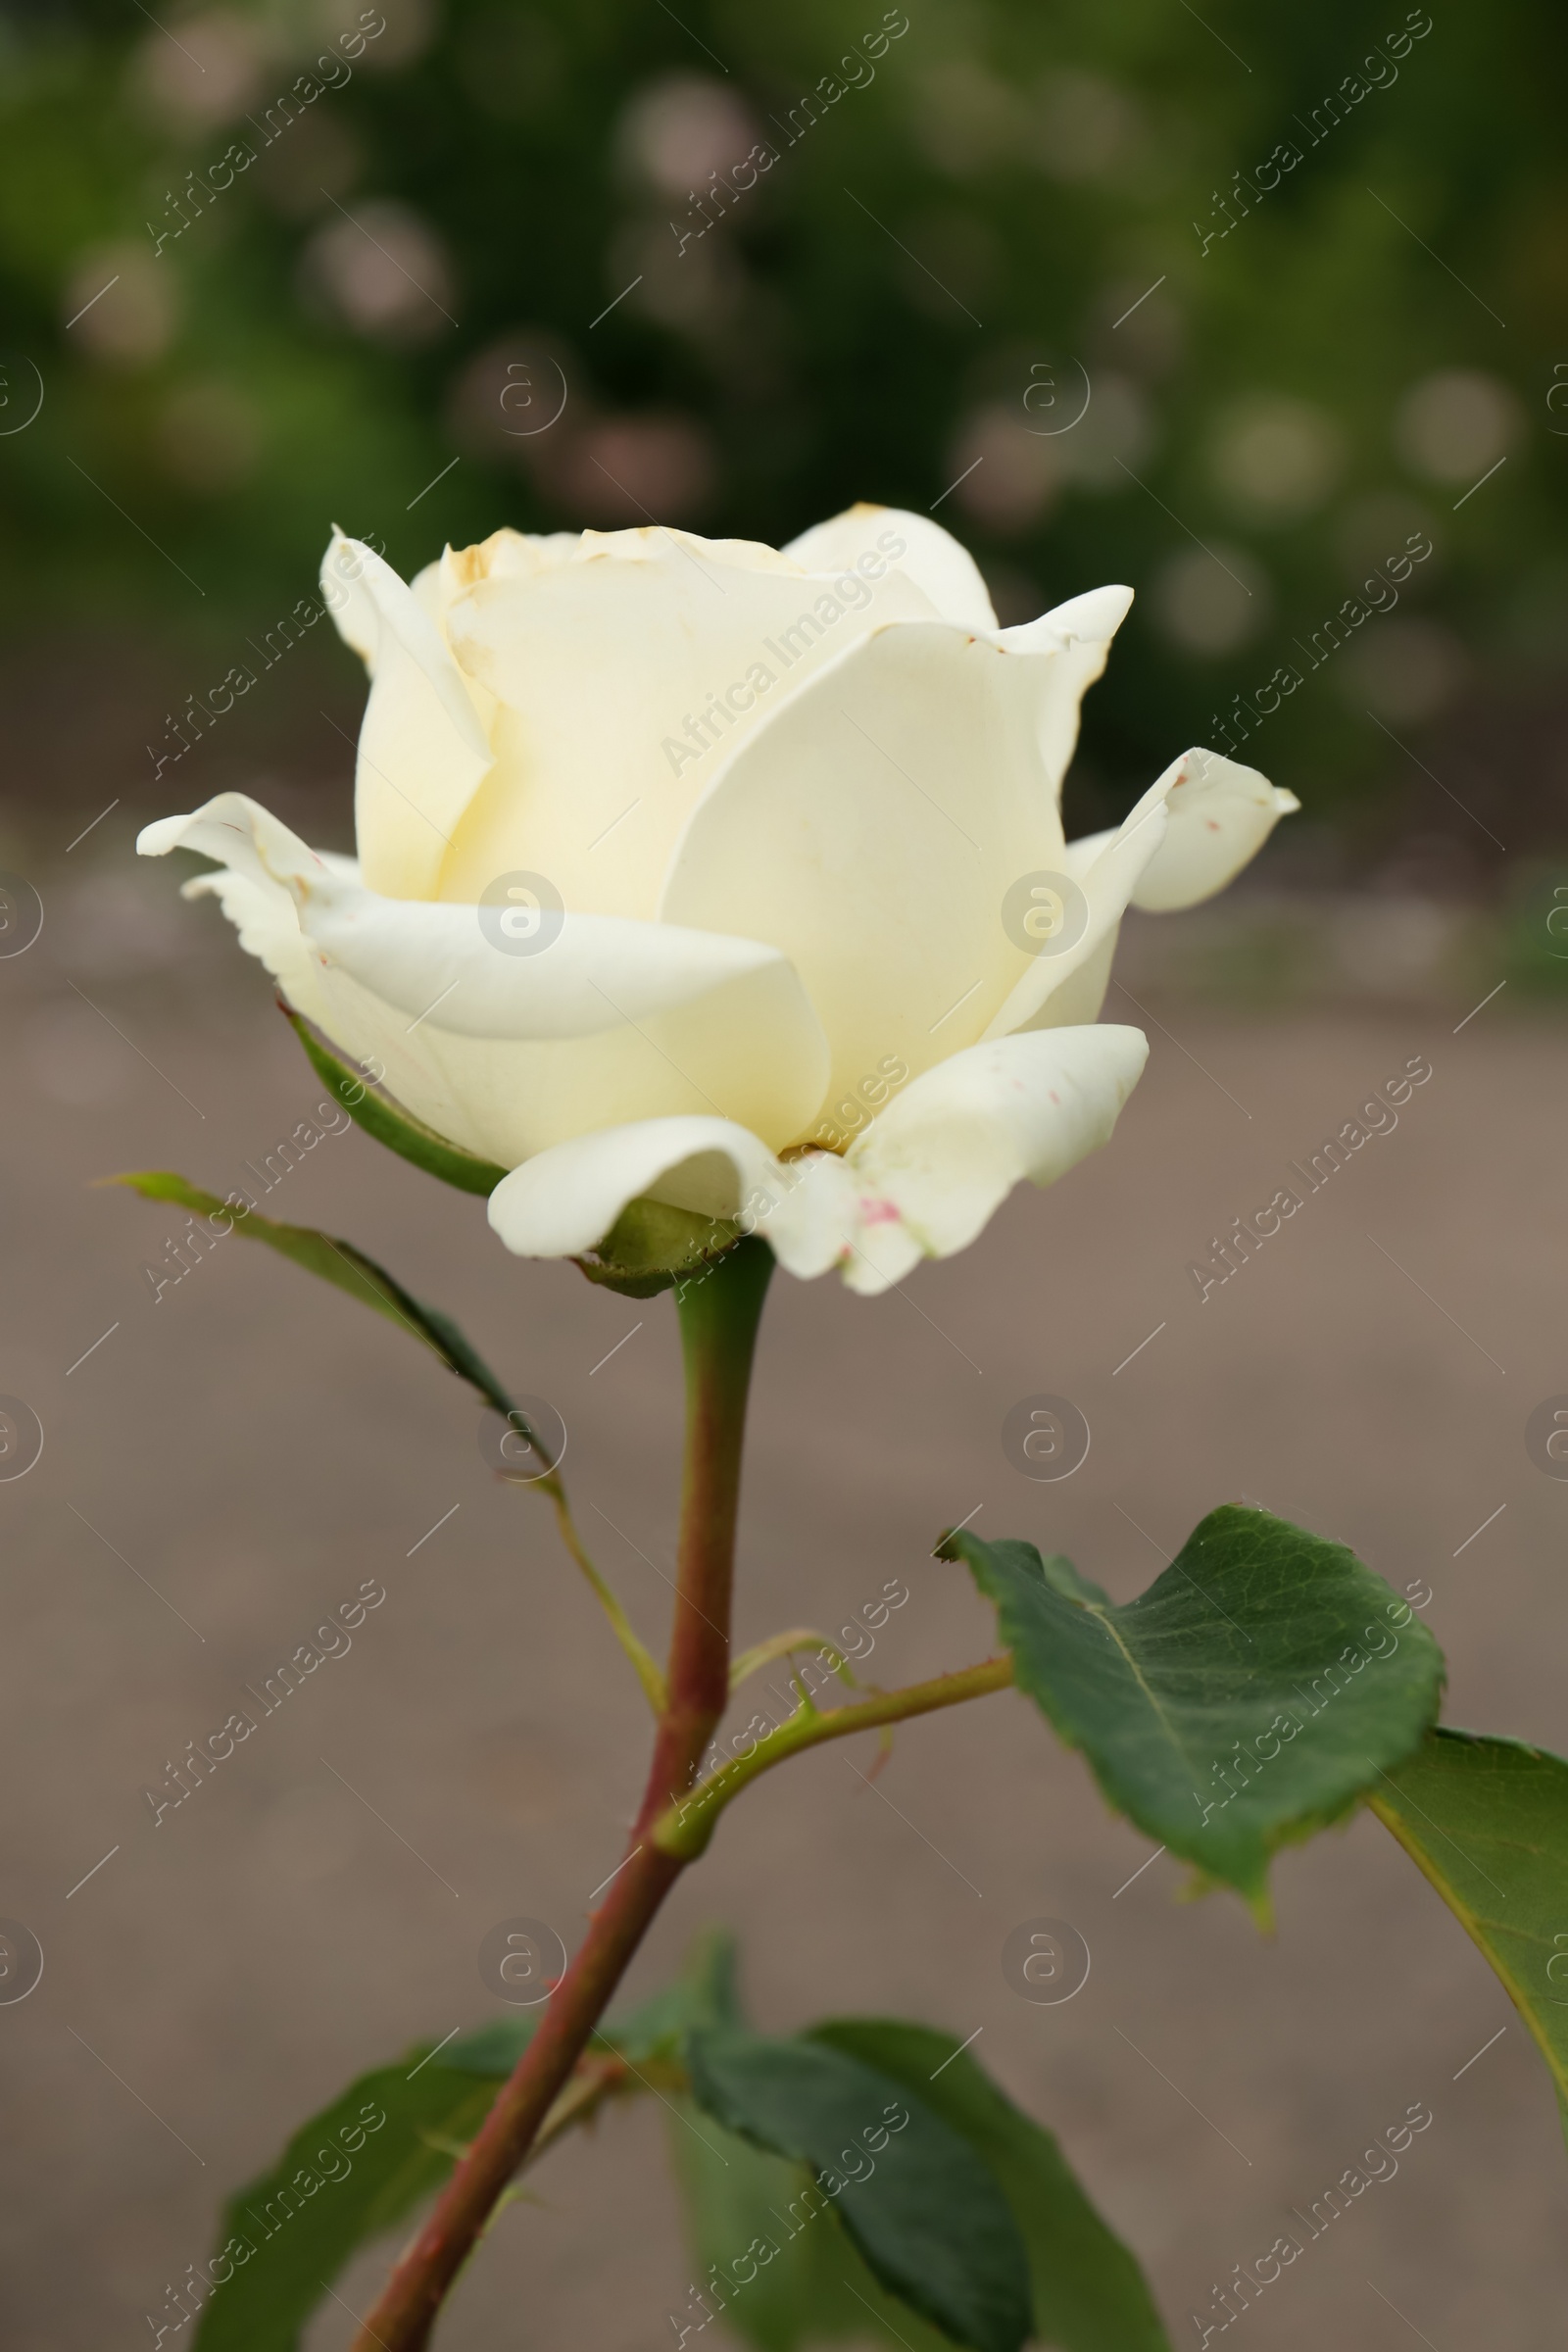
960	226
1535	932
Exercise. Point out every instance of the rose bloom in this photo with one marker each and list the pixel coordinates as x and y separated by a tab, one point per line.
730	878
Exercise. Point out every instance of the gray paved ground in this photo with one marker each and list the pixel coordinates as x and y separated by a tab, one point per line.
234	1461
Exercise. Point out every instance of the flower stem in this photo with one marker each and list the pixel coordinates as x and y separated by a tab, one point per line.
720	1313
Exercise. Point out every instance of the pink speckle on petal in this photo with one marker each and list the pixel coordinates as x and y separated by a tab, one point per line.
877	1212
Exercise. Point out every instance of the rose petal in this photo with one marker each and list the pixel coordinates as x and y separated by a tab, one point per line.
946	572
934	1167
508	1054
1080	631
872	830
923	1182
566	1200
624	679
1217	817
1106	870
1221	816
423	749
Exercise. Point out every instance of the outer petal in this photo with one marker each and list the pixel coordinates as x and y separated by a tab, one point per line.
508	1054
932	1170
263	913
1221	816
423	749
922	1182
871	829
566	1200
1106	870
946	572
624	676
1217	815
1080	632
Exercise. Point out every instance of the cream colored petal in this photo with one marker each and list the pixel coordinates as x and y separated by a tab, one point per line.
1216	817
934	1167
463	966
431	591
1079	997
505	555
423	747
566	1200
946	572
1221	816
348	599
597	971
269	928
624	677
872	830
508	1054
634	546
1080	633
1091	619
1103	871
1076	995
239	832
748	1050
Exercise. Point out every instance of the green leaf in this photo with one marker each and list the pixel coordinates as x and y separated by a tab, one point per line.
924	2213
1242	1702
1089	2292
791	2277
343	2180
340	1263
702	1995
651	1246
1487	1819
287	2240
387	1120
770	2256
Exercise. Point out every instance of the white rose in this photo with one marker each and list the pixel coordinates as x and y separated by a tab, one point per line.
731	878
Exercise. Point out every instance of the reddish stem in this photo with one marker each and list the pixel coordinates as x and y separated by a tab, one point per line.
719	1312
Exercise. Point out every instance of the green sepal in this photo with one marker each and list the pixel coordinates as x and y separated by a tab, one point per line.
650	1247
387	1120
347	1268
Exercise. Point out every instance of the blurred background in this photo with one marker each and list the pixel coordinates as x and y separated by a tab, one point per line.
1234	306
1226	306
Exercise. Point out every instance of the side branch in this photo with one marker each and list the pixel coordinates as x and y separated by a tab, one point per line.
685	1827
